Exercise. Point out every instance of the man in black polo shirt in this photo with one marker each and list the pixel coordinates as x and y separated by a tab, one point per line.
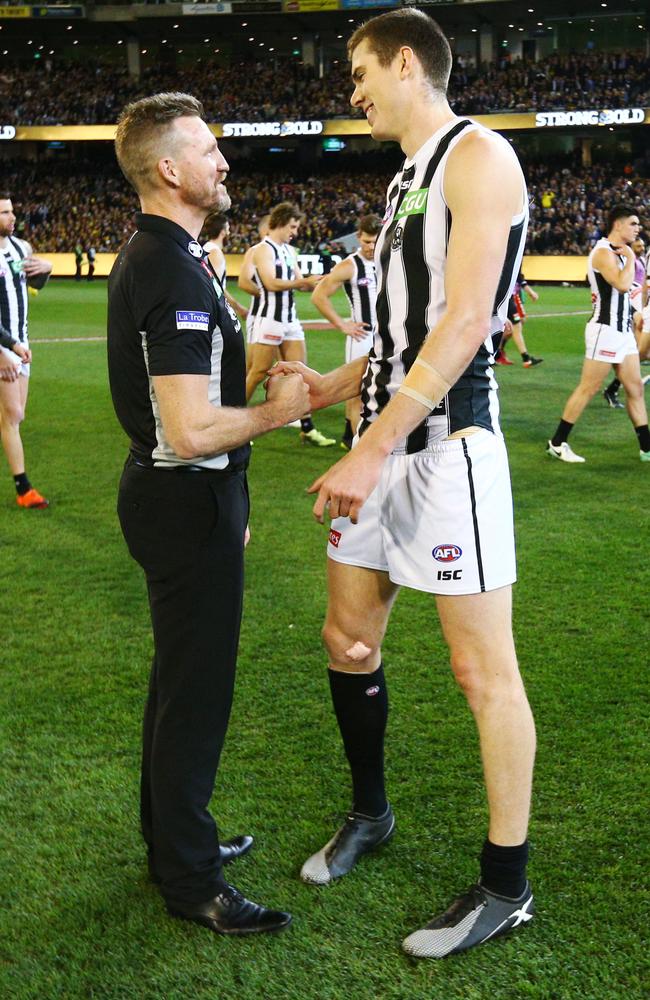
177	375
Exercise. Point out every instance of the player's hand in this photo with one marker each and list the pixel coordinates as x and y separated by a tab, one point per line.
344	488
358	331
9	370
289	395
23	353
247	535
314	380
507	328
36	265
309	282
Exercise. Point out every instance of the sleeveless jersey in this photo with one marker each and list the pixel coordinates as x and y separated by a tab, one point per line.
13	288
221	273
362	291
411	255
636	291
279	306
611	307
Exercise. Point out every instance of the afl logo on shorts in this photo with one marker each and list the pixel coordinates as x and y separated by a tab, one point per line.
335	537
447	553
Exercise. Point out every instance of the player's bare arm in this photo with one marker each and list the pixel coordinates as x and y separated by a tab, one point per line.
484	189
194	427
264	262
245	279
606	261
322	294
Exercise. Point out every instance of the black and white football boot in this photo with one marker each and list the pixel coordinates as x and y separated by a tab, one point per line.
477	916
358	835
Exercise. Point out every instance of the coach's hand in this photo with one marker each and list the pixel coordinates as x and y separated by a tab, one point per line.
314	381
344	488
289	395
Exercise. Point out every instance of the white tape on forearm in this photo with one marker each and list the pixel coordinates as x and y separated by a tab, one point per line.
406	390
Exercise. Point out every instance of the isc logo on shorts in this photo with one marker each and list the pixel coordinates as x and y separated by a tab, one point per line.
335	537
447	553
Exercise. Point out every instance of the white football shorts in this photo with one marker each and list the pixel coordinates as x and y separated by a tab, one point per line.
645	328
604	343
23	369
439	521
357	348
272	333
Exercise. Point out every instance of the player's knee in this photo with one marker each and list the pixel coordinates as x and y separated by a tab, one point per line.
13	413
482	682
346	651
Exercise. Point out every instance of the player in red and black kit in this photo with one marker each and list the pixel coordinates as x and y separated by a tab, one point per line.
516	317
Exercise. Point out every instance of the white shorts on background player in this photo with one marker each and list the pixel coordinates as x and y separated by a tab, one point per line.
22	368
272	333
604	343
439	521
645	313
357	348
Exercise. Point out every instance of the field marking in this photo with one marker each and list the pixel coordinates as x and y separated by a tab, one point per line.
315	324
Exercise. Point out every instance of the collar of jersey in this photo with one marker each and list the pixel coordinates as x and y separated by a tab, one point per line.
159	224
433	140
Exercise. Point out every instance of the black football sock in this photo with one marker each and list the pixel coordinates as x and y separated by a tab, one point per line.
503	869
643	435
23	484
361	706
525	356
613	387
306	424
564	428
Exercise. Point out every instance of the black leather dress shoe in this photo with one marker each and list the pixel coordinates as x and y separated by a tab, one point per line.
235	848
230	913
230	850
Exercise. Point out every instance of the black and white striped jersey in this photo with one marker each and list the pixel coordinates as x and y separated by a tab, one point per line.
13	288
256	300
279	306
410	256
362	291
611	307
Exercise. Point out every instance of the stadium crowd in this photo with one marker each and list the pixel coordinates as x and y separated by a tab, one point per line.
87	201
52	92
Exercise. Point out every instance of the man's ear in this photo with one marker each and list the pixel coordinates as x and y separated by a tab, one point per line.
406	58
168	171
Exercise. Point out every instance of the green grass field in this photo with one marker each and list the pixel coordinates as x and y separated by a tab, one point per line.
79	918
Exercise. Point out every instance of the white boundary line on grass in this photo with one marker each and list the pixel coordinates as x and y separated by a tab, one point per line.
305	322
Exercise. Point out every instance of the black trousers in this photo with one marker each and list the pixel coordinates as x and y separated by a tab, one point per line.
186	530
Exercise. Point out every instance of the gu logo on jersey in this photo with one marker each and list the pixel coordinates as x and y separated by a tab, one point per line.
372	691
335	537
397	238
415	203
187	319
447	553
195	249
16	266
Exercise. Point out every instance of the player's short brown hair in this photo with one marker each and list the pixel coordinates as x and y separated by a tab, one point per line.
284	213
215	224
387	33
143	128
369	224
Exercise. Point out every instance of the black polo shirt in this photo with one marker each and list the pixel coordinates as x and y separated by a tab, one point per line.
167	315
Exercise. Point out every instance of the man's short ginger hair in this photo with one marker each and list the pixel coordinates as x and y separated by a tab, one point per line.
144	134
387	33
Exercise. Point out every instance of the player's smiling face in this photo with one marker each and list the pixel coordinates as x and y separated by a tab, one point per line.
289	232
374	91
7	218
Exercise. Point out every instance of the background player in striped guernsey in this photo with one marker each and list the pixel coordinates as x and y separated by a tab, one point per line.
276	327
216	231
609	339
18	270
636	300
423	500
359	279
